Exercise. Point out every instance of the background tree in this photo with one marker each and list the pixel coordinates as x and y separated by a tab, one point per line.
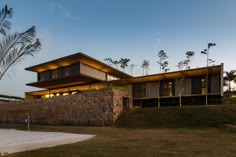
229	77
108	60
162	60
189	55
131	67
116	63
180	80
124	63
145	66
112	62
206	52
182	64
14	46
164	66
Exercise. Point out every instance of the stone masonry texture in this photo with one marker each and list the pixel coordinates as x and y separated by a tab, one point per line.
90	108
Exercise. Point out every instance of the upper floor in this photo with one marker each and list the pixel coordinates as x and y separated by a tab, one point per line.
76	69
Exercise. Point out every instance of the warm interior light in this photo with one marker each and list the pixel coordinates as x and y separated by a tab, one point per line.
74	93
64	94
45	96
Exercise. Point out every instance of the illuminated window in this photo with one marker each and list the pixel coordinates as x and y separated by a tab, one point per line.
203	85
167	88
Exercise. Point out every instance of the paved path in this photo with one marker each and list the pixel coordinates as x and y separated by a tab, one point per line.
12	141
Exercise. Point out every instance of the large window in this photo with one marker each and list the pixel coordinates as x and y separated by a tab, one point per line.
199	85
71	70
74	69
60	72
139	90
45	75
54	74
167	88
203	86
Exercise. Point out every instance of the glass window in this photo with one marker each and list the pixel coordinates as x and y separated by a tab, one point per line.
45	75
167	88
74	69
54	74
139	90
60	72
66	71
203	85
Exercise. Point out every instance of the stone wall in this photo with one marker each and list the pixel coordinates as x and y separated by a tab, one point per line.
91	108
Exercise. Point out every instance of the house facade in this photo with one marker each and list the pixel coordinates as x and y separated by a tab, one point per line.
78	72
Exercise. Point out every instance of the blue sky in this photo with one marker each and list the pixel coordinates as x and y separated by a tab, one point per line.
135	29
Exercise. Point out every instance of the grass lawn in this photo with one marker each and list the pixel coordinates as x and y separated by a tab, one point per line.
169	132
121	142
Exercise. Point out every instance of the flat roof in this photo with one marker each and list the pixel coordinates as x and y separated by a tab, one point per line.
75	58
216	69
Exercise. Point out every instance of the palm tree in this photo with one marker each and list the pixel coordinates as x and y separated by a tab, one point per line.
116	63
109	60
189	55
162	60
145	66
230	76
131	67
124	63
15	46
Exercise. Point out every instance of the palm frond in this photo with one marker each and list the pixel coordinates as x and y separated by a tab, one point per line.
14	46
17	54
5	25
12	41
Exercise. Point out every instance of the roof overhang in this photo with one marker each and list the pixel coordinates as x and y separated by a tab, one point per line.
173	75
64	82
75	58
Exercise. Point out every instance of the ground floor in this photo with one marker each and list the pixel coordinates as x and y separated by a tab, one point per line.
175	101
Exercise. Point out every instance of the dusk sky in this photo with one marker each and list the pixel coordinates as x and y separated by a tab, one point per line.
135	29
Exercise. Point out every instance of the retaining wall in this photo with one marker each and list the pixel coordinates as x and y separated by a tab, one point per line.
91	108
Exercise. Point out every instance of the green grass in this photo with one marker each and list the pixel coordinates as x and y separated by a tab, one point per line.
175	117
120	142
168	132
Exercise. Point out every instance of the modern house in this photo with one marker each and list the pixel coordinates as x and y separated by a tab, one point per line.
78	72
